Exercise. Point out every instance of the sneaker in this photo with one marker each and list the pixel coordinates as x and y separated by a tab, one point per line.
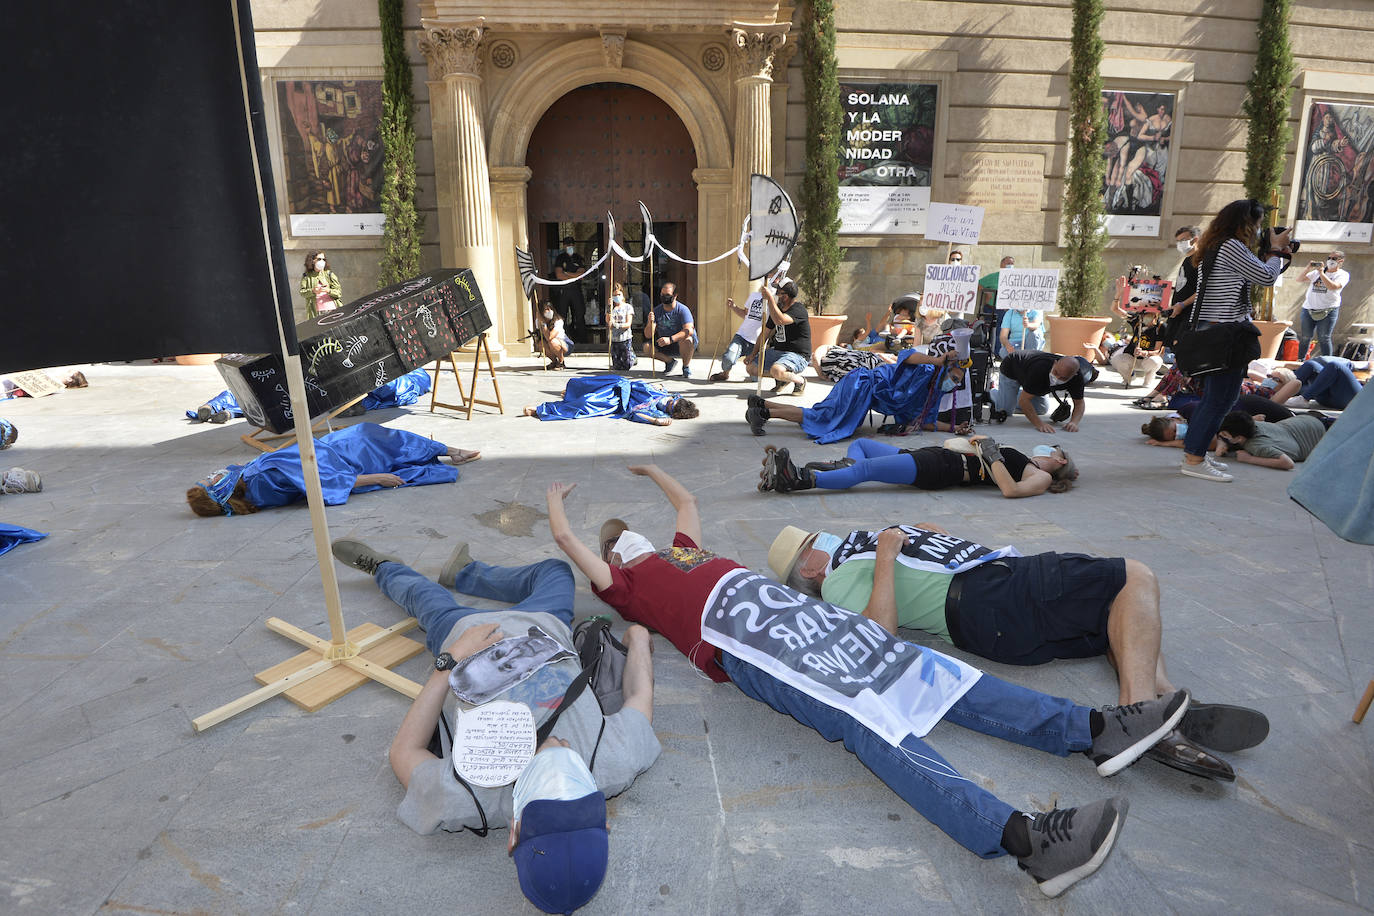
780	475
1068	844
1129	731
1219	465
835	465
756	401
18	480
360	556
799	388
686	371
720	377
457	561
1205	471
203	414
668	369
756	416
221	416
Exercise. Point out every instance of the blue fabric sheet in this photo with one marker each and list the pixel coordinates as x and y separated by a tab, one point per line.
223	401
11	536
901	390
275	479
1336	482
608	396
399	392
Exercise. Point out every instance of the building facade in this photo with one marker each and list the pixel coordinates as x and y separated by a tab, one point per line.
536	119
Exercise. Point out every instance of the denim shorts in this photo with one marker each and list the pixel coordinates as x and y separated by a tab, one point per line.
792	362
1031	610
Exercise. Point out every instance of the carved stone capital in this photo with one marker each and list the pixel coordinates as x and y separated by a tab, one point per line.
755	46
613	47
453	47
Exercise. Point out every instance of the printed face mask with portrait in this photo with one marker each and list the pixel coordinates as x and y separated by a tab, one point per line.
631	545
555	774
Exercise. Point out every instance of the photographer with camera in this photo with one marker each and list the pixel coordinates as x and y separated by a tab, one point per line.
1228	268
1322	306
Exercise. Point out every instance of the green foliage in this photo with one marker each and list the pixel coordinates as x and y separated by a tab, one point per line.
1084	275
404	224
818	251
1267	102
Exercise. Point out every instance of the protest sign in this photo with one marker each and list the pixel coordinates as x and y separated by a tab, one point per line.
493	744
951	287
1023	288
955	223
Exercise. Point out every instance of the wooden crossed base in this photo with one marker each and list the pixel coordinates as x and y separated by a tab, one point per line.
262	440
469	400
325	671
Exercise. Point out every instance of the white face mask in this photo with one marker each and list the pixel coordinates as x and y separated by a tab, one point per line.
548	314
1184	246
1180	429
555	774
1042	451
1331	263
827	544
631	546
319	265
618	299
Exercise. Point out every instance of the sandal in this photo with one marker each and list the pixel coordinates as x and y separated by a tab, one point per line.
464	456
963	429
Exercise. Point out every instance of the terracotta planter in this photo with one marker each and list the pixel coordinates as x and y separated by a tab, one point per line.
1076	336
1271	336
197	359
825	332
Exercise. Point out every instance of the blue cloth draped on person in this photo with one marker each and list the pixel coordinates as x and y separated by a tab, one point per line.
11	536
610	396
399	392
344	456
900	390
1336	482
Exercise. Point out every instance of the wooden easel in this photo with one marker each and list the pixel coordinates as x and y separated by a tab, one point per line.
468	400
260	438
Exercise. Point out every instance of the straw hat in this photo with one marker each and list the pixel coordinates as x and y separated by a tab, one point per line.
786	550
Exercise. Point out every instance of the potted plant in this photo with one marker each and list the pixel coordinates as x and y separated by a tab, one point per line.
1076	329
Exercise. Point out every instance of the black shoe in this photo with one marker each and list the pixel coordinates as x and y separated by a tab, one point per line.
1068	844
838	464
757	416
1174	750
221	416
756	401
1223	727
203	413
780	475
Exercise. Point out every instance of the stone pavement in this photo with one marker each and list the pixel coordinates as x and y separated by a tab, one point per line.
134	616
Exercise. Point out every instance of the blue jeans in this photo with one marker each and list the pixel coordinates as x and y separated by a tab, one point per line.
792	362
545	587
972	816
1220	390
1307	329
1008	392
737	347
873	460
1328	382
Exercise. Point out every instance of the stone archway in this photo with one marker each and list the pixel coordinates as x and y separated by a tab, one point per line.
517	108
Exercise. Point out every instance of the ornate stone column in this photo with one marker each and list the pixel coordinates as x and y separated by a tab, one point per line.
510	231
462	184
755	48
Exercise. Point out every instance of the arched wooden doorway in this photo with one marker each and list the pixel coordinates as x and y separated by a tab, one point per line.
604	147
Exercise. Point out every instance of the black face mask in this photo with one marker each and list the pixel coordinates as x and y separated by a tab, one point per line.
665	298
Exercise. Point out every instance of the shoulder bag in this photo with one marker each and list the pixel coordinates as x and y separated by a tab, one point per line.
1221	347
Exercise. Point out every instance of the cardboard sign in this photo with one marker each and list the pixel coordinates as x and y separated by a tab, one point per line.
956	223
493	744
951	287
1023	288
36	383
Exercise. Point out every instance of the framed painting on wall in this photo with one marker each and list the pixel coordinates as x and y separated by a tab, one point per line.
1336	179
1140	127
332	155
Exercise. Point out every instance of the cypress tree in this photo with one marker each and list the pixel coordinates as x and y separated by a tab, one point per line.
818	246
1267	102
404	224
1084	275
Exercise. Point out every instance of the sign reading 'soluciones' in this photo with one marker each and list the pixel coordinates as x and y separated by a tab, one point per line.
950	287
1023	288
886	157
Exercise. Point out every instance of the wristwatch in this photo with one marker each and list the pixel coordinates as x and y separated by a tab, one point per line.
443	662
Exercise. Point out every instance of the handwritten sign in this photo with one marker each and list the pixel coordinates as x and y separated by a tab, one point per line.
493	744
1023	288
1003	182
36	383
951	287
954	223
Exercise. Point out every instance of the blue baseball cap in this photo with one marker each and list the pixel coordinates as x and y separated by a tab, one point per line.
563	850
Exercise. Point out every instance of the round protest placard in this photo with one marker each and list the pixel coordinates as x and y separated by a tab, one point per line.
493	744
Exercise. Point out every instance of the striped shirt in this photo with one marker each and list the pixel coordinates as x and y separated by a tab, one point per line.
1227	292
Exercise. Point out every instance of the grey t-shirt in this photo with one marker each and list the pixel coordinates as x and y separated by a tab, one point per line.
1295	437
628	747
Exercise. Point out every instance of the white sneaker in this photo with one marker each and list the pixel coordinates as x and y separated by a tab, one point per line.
1219	465
1204	471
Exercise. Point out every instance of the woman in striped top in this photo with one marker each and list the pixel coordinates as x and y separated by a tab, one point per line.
1230	236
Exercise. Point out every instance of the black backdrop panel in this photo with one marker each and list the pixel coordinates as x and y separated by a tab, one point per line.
133	225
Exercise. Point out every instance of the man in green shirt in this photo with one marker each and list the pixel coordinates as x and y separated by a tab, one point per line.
1271	445
1016	610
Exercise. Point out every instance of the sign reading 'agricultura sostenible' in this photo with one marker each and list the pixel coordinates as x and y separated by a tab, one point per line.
886	157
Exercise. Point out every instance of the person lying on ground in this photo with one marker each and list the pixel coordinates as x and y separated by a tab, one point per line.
616	396
353	460
9	434
1018	611
1168	431
976	461
1328	381
556	808
907	390
399	392
1271	445
849	679
1174	388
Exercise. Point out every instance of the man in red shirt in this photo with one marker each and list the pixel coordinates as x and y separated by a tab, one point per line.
832	671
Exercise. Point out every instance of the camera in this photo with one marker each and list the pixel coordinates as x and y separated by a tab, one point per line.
1269	232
